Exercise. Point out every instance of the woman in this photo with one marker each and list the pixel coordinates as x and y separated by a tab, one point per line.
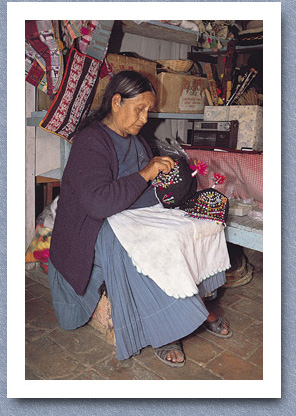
109	170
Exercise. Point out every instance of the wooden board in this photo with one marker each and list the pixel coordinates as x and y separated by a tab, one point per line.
159	30
245	232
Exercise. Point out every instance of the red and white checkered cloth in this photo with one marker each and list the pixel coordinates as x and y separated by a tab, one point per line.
244	173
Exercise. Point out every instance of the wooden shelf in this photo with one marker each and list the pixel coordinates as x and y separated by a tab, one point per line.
158	30
163	31
36	118
177	116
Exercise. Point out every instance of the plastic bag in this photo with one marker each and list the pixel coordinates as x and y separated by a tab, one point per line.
170	147
47	216
256	215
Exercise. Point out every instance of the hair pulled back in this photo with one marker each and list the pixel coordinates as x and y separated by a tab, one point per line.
128	84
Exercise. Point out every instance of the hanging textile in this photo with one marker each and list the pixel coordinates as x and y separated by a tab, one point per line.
74	28
100	39
47	44
42	52
34	69
74	98
87	34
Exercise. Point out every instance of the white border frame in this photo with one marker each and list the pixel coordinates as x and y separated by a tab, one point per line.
270	386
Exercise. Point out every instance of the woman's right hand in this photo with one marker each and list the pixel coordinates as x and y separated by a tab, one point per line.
157	164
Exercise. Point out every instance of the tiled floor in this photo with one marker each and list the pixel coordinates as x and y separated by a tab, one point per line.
83	354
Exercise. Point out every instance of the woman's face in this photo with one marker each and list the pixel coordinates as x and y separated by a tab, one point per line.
130	115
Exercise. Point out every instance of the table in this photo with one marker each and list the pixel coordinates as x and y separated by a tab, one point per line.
48	185
245	232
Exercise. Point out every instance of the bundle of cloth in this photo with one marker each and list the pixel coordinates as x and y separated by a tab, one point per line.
38	250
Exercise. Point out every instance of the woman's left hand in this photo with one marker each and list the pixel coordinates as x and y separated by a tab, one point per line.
157	164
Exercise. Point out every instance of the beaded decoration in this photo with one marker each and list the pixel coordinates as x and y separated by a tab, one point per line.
164	180
168	198
175	187
208	204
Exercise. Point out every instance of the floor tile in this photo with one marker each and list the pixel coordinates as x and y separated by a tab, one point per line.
112	369
250	308
89	375
238	344
252	291
28	280
227	297
231	367
255	331
33	334
200	350
30	375
83	344
40	314
257	357
48	361
28	295
38	291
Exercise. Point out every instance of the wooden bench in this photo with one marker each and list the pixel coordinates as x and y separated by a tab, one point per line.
245	232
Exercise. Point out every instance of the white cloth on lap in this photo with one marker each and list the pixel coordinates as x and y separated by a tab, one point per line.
176	251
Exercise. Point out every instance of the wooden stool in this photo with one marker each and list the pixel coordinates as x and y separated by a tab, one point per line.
48	185
102	319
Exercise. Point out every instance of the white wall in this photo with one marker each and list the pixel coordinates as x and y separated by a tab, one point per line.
30	167
42	155
153	48
47	151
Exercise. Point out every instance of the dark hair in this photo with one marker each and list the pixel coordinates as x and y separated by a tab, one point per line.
128	84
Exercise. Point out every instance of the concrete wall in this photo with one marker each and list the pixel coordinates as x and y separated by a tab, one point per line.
47	151
30	167
42	155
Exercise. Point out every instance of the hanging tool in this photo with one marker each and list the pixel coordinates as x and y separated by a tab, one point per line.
241	88
212	84
228	66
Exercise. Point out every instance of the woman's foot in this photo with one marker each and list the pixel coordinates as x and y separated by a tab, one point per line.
171	354
218	326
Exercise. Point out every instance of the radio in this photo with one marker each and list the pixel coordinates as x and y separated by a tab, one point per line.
214	133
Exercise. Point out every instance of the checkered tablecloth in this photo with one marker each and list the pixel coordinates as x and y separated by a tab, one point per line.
244	173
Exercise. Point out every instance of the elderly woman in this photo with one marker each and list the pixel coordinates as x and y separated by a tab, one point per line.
109	172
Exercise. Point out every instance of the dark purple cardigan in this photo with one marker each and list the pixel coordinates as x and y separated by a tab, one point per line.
90	192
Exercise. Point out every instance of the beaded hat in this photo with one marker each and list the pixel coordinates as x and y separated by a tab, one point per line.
175	187
208	204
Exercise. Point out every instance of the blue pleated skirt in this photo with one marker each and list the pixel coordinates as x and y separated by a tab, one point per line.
142	313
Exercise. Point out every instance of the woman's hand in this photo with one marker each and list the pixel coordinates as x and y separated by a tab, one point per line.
157	164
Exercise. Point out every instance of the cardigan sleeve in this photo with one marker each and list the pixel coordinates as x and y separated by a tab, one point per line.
90	173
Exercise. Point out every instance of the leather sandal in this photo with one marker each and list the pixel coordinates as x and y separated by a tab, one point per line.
216	327
163	351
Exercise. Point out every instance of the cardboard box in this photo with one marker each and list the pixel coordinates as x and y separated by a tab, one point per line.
119	63
177	93
250	118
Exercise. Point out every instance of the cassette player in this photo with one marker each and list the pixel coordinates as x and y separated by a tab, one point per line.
214	133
